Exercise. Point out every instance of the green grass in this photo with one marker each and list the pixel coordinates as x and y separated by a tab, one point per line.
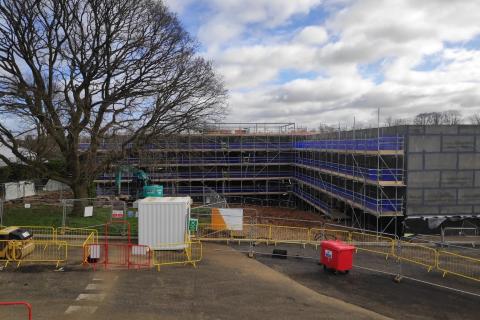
43	215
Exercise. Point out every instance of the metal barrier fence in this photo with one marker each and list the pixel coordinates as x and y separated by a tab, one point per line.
463	266
36	251
41	232
191	254
50	245
17	303
372	243
76	237
415	253
120	255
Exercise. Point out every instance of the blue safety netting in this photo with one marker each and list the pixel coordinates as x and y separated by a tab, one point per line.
373	144
205	175
385	174
379	205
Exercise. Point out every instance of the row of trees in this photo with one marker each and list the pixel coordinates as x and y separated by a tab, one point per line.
118	71
449	117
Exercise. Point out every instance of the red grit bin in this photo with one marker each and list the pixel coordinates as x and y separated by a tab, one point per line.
336	255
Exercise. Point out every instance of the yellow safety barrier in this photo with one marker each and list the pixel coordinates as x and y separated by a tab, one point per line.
6	251
463	266
192	253
209	232
41	232
416	253
283	234
372	243
91	239
37	251
317	235
76	237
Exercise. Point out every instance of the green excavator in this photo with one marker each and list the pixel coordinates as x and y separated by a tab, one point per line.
139	186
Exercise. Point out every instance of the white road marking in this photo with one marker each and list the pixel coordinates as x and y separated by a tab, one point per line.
80	309
90	297
93	286
97	279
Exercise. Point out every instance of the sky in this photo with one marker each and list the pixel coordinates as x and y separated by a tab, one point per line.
318	62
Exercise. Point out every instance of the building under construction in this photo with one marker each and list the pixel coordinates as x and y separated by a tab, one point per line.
377	178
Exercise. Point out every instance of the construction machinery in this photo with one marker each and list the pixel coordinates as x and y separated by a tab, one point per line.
139	186
15	243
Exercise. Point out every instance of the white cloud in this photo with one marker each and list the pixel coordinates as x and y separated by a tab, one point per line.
392	38
177	5
312	35
232	17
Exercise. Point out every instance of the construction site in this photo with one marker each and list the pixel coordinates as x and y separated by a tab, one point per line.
242	214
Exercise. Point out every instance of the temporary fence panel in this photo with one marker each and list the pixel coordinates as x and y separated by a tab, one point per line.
27	305
319	234
117	255
20	189
372	243
416	253
463	266
289	234
212	232
192	254
91	239
262	232
6	251
76	237
41	232
99	209
37	251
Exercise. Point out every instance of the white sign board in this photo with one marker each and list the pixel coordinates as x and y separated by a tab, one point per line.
117	214
88	212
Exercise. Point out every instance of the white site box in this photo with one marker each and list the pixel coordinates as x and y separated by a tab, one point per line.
163	222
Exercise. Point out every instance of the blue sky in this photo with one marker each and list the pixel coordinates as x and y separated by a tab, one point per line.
326	61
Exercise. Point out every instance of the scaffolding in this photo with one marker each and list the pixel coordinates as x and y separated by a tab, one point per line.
348	175
354	176
234	159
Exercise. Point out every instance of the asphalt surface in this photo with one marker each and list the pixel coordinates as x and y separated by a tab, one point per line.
370	284
226	285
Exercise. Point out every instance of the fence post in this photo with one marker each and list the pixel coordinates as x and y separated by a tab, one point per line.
397	241
253	223
1	212
64	213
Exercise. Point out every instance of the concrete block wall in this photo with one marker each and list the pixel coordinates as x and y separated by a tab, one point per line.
443	170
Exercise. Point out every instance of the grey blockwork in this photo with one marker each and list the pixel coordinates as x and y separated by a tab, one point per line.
461	179
469	161
424	143
423	179
415	161
440	160
469	196
443	171
458	143
440	196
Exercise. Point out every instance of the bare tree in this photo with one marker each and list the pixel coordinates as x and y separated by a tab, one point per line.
111	72
449	117
391	122
475	118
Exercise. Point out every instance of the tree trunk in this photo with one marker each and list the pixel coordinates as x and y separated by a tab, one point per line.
80	194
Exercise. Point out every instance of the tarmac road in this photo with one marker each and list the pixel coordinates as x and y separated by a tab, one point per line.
226	285
377	291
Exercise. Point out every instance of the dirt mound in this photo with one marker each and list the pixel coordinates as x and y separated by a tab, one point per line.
284	216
